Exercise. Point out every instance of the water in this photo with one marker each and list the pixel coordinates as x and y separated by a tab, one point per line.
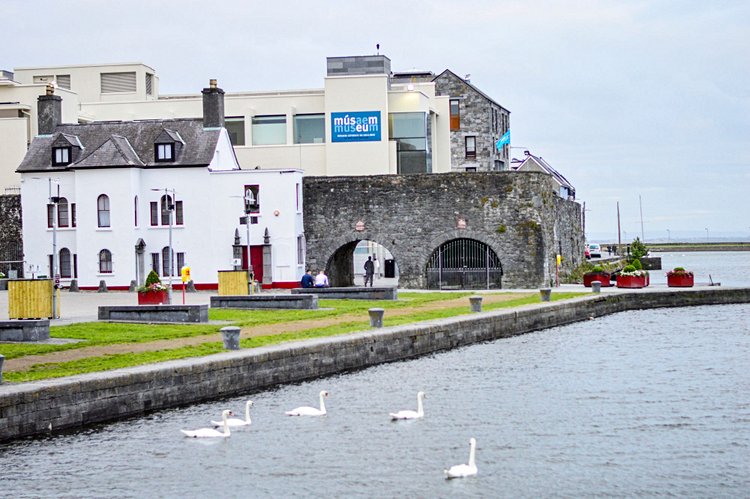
730	268
651	403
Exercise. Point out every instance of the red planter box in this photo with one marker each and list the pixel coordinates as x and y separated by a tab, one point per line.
680	280
153	298
632	281
602	277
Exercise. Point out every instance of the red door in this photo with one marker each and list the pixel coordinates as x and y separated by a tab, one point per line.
256	254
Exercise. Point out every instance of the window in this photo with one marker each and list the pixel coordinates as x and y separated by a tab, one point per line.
166	261
178	213
409	130
166	208
72	214
135	211
269	130
113	83
50	215
65	263
455	114
300	250
63	81
102	210
235	126
167	205
309	129
164	152
155	262
297	194
149	84
105	261
470	146
180	262
154	213
63	219
252	199
60	156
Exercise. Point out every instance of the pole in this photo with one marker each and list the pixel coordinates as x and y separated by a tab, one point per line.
53	269
640	205
619	238
170	209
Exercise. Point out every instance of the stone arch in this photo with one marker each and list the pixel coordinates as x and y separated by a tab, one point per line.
339	263
464	263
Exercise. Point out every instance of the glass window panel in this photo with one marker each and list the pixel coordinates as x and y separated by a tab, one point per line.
236	128
309	129
62	213
412	162
269	130
407	125
412	144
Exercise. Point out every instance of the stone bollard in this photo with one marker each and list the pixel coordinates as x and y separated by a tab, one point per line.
132	286
476	303
376	317
231	337
596	286
102	287
190	287
73	286
2	359
545	294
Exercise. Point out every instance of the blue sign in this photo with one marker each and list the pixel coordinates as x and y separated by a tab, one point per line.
361	126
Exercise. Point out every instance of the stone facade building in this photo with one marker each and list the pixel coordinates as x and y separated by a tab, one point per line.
514	218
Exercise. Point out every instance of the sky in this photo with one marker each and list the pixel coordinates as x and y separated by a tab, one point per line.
645	104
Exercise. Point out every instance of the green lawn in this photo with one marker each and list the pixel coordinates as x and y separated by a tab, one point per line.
106	333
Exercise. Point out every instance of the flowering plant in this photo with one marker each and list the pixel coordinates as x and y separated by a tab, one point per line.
679	271
153	283
632	271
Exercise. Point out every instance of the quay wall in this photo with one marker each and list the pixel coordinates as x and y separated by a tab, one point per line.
30	408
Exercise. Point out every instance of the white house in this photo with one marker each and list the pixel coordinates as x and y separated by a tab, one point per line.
531	163
103	195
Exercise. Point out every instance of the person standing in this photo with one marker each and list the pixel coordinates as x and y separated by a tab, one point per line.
369	270
377	266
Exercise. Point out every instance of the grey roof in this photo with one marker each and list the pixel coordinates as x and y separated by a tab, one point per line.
109	144
546	167
468	83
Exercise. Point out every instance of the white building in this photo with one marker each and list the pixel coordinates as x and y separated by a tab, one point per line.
105	192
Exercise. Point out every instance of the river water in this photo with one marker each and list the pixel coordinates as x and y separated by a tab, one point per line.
651	404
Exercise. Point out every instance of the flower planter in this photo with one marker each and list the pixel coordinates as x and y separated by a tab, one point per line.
153	298
632	281
602	277
683	280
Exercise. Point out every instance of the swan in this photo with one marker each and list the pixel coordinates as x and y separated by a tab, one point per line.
237	421
210	432
464	470
310	411
419	413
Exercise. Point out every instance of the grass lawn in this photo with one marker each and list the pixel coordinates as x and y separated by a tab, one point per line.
109	333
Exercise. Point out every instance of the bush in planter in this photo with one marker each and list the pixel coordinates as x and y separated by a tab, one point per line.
153	283
680	278
153	292
631	277
597	273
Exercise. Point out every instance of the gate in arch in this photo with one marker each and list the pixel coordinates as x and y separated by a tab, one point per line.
464	264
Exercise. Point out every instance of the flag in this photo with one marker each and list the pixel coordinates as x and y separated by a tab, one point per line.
505	139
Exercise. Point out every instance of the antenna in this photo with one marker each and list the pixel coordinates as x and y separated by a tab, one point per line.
377	48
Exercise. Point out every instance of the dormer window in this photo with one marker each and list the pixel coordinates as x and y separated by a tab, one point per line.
60	156
165	152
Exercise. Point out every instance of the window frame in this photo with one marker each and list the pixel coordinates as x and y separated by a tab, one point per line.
105	261
65	271
64	157
63	203
470	152
162	147
455	118
102	208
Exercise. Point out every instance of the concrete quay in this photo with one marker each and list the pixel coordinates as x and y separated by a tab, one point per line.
33	408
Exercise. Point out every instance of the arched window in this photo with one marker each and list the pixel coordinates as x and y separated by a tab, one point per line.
102	210
166	271
166	207
63	215
105	261
65	267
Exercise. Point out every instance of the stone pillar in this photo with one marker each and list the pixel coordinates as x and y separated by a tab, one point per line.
2	359
231	337
73	286
476	303
596	286
545	294
132	286
102	287
376	317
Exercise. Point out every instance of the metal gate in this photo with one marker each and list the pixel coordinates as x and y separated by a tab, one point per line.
464	264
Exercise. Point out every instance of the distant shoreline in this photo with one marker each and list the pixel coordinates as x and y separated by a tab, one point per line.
671	247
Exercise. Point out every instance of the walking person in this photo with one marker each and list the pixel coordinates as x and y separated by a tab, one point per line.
369	270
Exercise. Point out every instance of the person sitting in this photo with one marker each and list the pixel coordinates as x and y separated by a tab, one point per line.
307	280
321	280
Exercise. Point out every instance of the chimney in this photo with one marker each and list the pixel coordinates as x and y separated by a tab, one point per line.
49	111
526	153
213	106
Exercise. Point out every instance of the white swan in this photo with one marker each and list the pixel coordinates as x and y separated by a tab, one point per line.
310	411
237	421
464	470
419	413
210	432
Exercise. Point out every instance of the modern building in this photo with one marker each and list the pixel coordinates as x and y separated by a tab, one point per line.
110	201
531	163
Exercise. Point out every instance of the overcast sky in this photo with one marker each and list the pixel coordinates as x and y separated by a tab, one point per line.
624	98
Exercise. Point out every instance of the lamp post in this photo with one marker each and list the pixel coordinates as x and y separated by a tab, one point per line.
170	208
54	200
249	201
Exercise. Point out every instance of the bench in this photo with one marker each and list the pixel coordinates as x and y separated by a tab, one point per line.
154	313
296	302
352	293
24	330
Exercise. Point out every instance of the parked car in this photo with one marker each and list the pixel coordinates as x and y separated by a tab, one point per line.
595	250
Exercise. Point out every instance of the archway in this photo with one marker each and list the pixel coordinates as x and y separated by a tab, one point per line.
345	267
464	263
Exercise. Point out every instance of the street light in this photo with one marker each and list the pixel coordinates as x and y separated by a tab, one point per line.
249	201
170	208
53	201
706	234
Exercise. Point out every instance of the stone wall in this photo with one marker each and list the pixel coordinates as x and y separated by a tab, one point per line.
33	408
11	243
515	213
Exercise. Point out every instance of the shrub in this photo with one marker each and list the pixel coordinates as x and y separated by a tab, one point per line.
152	278
637	249
678	270
628	269
637	264
597	269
